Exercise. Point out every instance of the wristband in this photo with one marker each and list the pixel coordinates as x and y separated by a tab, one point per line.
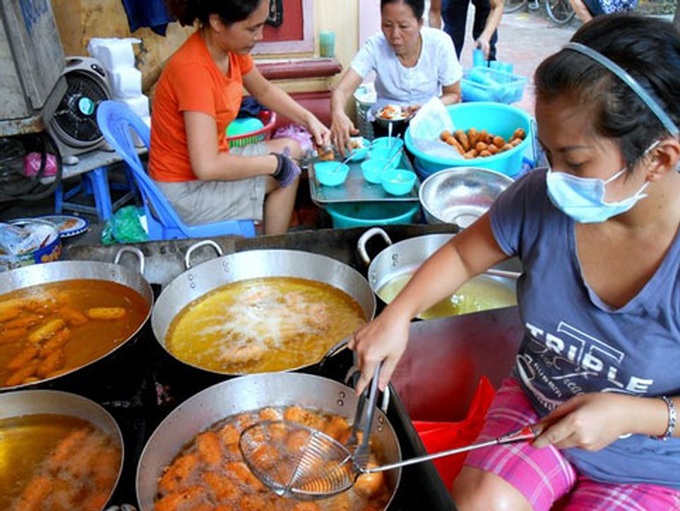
672	418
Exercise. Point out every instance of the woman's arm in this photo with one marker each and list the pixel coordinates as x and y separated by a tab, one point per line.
492	22
342	127
384	339
209	163
277	99
435	14
593	421
451	94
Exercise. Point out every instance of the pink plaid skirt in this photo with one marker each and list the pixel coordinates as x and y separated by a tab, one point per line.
545	476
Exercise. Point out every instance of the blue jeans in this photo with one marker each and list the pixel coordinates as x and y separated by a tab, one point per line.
454	14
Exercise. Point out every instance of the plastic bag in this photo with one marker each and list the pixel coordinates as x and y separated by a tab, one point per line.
124	226
426	127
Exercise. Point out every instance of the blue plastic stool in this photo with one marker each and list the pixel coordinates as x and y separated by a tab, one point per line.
94	182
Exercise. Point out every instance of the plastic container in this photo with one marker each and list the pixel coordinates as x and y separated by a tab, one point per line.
364	99
489	84
386	142
398	181
331	173
359	153
257	129
366	214
49	249
373	168
496	118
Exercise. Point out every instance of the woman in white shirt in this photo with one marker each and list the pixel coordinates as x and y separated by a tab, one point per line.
412	64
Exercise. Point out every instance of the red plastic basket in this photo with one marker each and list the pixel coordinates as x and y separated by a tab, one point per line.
268	118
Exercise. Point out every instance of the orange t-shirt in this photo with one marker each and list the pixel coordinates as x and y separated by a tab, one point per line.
191	81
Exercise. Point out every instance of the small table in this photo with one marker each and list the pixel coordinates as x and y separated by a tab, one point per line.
357	189
93	166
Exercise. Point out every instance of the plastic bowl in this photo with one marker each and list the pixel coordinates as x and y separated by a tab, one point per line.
385	154
496	118
384	143
360	152
366	214
398	181
331	173
460	195
373	168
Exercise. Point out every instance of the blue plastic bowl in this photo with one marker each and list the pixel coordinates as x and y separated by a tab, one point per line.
496	118
331	173
360	153
398	181
366	214
385	154
384	143
373	168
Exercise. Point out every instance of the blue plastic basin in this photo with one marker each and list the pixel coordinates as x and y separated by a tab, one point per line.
496	118
365	214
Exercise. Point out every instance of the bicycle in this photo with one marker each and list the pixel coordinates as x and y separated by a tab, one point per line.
560	12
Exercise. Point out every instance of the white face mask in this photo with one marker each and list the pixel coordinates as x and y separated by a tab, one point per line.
583	198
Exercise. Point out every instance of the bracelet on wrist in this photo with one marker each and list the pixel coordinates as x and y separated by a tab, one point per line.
672	418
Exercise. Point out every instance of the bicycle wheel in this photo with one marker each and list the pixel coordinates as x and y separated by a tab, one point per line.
559	11
513	5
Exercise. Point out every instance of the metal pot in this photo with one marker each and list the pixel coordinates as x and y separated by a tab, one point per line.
210	275
404	257
60	271
244	394
38	402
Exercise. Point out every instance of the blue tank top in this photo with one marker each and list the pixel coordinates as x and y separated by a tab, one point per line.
575	343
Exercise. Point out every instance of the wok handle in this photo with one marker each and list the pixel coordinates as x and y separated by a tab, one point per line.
190	250
131	250
523	434
363	240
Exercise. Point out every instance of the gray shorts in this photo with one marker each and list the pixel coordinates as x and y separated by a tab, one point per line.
202	202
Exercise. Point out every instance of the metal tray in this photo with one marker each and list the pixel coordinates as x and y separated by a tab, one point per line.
356	188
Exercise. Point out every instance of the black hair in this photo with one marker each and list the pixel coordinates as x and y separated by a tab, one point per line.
417	6
648	49
229	11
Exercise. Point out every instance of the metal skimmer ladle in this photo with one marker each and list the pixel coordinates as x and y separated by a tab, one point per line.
297	461
294	460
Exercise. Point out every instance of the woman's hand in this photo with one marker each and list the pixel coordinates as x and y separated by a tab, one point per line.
383	339
484	45
589	421
320	133
342	129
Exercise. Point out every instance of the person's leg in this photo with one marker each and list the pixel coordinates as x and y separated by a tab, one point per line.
454	14
514	476
278	206
482	11
589	495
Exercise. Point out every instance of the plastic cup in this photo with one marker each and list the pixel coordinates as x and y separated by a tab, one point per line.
327	43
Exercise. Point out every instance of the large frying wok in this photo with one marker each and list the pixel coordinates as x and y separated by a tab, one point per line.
52	402
72	270
404	257
210	275
244	394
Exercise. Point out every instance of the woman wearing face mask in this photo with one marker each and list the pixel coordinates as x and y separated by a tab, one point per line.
597	235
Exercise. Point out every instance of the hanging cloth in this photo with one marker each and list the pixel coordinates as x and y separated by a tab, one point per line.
147	13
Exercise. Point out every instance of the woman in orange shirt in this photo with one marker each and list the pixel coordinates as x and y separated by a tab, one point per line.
198	94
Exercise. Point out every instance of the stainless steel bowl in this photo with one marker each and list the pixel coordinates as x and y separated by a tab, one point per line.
460	195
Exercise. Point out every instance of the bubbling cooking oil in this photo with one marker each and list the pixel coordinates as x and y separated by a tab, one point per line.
480	293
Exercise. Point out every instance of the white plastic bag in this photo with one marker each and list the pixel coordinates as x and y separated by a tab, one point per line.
426	126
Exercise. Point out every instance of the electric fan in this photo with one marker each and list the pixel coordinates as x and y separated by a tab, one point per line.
73	125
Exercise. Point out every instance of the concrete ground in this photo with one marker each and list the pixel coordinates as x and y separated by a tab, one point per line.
525	39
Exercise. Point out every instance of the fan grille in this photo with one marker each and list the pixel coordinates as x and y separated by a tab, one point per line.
75	120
